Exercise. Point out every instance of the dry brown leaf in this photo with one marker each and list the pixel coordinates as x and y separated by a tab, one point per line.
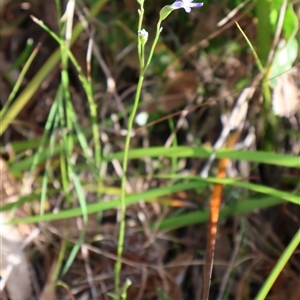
69	228
182	260
222	253
48	292
286	96
286	286
14	264
178	90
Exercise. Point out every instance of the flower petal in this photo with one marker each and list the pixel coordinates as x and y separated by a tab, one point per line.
187	8
196	4
177	4
187	5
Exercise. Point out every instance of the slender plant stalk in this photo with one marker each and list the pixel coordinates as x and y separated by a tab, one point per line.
158	31
286	255
123	186
264	30
19	81
143	69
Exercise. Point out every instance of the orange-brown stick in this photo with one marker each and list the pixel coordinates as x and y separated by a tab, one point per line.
215	204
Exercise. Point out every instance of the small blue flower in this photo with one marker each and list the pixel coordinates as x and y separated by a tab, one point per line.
187	5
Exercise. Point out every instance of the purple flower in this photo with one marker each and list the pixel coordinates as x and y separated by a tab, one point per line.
186	4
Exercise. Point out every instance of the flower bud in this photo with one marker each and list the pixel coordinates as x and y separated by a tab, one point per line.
165	11
143	36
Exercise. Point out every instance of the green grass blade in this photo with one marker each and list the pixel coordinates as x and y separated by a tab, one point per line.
113	204
41	75
197	217
277	196
16	87
204	152
283	260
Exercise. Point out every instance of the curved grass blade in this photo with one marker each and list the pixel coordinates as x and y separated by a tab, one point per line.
286	255
113	204
204	152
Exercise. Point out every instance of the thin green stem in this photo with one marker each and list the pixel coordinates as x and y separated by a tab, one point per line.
264	30
140	46
142	58
126	286
257	60
19	81
286	255
143	69
123	185
158	31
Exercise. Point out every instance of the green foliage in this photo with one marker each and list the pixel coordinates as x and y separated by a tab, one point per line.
51	158
290	22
